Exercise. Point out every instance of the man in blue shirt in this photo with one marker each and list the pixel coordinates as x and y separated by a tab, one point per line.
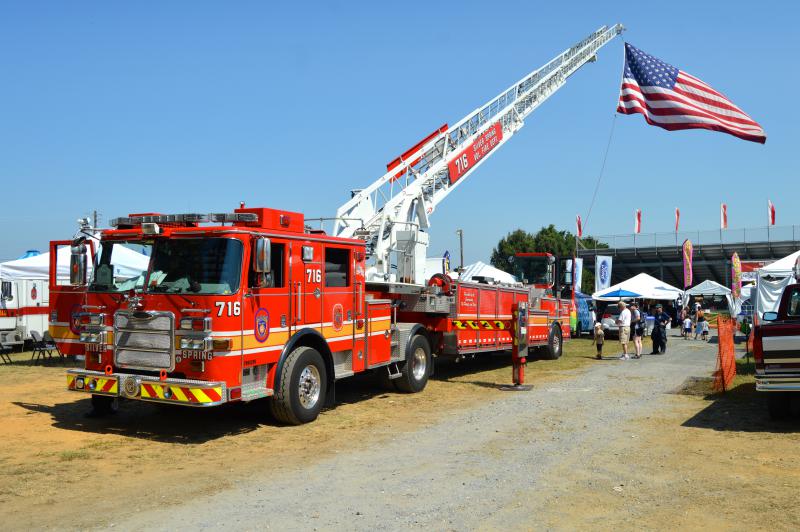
659	334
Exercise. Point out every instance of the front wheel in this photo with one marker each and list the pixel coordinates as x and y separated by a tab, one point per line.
554	344
417	369
302	387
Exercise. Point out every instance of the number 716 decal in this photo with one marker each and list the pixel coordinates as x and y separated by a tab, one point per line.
234	308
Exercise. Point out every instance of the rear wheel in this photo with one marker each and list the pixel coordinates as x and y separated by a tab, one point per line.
779	405
554	344
103	405
302	387
417	369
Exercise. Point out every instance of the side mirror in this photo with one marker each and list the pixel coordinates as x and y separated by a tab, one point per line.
770	316
77	265
6	291
262	255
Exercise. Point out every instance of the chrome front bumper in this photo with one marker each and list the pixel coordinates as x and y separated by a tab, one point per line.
145	388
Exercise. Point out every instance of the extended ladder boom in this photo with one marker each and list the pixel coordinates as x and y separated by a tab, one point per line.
390	213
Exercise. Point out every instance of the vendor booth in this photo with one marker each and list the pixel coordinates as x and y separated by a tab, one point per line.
770	282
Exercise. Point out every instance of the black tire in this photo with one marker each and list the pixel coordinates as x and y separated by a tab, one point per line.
555	344
103	405
417	368
302	387
779	405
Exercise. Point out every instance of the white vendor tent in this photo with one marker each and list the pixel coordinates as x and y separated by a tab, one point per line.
643	285
127	262
711	288
480	269
770	282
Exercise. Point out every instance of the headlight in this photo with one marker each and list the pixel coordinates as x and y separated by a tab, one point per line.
91	337
196	344
196	324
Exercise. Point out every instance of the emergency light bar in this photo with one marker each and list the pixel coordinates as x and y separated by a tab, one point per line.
189	218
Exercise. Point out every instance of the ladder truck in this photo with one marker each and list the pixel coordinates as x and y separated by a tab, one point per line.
254	303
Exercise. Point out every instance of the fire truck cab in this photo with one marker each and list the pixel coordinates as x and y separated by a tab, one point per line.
254	305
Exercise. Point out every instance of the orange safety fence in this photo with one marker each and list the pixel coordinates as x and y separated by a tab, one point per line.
726	355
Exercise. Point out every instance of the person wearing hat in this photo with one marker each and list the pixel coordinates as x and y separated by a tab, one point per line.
659	334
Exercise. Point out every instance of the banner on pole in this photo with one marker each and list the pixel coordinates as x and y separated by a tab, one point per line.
736	276
687	263
677	218
602	272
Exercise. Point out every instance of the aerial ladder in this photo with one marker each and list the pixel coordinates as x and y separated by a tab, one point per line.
393	213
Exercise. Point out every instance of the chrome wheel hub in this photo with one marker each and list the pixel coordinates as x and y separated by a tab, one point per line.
419	363
310	387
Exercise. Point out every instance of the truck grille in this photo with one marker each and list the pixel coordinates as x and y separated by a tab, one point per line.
144	340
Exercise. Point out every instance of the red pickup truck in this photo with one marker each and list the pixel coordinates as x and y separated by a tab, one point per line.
776	349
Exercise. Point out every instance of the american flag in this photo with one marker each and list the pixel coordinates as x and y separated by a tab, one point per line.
672	99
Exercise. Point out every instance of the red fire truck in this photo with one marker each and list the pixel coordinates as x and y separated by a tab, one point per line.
255	303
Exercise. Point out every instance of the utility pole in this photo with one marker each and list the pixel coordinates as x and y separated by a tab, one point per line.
460	233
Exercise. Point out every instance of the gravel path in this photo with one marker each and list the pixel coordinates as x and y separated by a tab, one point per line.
486	467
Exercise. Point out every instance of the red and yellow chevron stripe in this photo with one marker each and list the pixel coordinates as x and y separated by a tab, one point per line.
180	394
104	384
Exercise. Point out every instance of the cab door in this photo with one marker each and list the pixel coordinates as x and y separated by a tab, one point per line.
65	300
307	285
339	311
266	307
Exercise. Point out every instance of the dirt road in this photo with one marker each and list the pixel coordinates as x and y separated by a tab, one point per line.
607	448
594	445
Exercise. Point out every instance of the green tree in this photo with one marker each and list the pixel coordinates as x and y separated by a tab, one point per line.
547	240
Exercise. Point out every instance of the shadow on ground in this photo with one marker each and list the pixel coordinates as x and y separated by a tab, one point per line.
183	425
741	409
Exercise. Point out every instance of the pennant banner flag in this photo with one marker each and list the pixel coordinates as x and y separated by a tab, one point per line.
579	226
723	216
602	272
736	276
771	209
637	225
687	263
672	99
677	218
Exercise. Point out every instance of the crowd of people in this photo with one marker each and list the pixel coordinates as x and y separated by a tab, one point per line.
631	324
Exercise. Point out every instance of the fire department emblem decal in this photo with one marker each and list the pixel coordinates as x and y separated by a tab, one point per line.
338	317
261	326
74	319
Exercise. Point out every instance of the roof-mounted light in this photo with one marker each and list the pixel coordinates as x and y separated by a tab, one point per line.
188	218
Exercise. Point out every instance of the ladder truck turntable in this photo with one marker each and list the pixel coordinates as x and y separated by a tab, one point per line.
254	303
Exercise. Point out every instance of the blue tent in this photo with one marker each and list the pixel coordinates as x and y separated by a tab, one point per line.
620	293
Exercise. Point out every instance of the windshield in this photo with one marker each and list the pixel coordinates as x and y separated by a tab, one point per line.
120	266
196	266
534	270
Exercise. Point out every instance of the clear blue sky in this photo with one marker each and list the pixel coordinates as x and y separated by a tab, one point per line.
194	106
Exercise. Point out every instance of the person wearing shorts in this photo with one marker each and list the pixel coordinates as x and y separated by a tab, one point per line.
637	328
624	324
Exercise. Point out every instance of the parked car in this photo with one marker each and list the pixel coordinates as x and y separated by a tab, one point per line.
608	319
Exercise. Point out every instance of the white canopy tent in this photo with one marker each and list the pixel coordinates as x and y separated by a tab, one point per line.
711	288
644	286
127	263
481	269
770	282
